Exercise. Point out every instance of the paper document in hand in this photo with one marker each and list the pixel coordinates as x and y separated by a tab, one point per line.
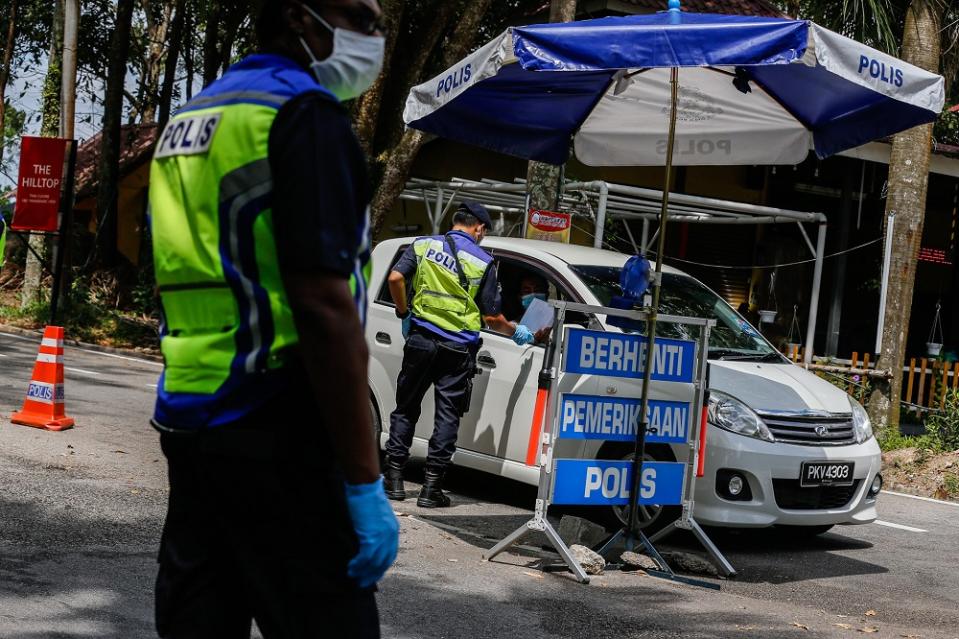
538	316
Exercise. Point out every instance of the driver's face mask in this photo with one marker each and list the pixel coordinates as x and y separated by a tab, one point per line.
353	66
528	298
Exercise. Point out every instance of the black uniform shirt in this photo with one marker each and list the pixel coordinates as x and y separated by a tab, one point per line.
320	187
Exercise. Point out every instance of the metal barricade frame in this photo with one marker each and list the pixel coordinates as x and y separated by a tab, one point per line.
549	429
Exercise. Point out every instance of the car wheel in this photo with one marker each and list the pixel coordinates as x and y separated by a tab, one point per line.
804	532
377	430
649	519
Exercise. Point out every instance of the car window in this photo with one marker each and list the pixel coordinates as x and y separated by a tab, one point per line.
732	337
512	271
383	296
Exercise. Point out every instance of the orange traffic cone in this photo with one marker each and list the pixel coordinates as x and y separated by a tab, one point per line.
45	406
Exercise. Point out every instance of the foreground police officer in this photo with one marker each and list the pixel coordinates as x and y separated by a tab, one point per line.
259	216
454	291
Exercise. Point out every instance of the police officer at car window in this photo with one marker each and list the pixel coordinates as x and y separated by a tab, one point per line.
454	290
259	213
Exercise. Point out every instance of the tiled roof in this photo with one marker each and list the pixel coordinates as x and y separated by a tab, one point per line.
738	7
136	146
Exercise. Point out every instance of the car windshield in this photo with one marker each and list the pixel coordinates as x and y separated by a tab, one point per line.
732	338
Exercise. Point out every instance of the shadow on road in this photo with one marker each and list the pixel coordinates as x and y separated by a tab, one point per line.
556	607
67	573
767	555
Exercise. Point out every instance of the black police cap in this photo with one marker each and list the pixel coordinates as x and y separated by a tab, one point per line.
478	211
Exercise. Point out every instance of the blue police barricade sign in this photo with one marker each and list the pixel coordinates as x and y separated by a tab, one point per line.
676	393
620	355
590	482
615	419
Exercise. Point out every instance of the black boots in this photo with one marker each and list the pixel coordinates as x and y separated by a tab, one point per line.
393	481
431	496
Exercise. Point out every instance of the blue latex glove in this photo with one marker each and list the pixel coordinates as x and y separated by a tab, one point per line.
523	336
376	529
406	322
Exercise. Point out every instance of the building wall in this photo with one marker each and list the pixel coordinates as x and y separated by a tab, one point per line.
131	205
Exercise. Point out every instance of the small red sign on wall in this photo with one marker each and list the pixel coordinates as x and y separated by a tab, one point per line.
548	225
40	184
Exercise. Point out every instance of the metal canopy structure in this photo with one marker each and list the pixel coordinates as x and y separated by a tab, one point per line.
600	201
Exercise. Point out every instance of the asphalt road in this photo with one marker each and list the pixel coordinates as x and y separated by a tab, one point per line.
81	512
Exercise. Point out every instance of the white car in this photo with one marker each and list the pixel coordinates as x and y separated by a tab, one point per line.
767	416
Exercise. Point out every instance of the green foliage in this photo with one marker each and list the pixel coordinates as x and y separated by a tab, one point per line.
891	440
942	432
877	23
89	314
14	123
950	484
947	128
858	386
944	425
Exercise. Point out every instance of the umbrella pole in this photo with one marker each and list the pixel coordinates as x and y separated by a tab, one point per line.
639	449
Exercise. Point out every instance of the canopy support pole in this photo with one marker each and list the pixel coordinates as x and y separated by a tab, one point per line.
639	446
629	233
814	298
601	215
437	215
884	287
805	235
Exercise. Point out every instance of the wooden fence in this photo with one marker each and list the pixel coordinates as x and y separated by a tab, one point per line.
925	382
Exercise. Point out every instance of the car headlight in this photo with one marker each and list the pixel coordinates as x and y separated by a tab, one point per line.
730	414
860	421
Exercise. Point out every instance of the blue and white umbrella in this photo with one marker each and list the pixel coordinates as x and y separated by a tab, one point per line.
752	90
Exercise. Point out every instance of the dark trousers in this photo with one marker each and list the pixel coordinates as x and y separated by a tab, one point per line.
258	528
448	367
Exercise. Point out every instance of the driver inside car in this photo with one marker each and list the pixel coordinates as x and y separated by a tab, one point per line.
532	286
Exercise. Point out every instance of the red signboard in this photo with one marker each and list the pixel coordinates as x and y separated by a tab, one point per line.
933	255
40	184
548	225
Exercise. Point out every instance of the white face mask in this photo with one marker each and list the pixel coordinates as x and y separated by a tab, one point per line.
353	66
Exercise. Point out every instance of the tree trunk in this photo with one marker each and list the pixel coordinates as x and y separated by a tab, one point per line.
424	42
189	61
544	180
211	57
5	73
368	108
172	60
49	127
158	27
401	158
562	10
108	171
908	181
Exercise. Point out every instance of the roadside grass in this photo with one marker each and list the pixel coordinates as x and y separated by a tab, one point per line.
86	321
928	464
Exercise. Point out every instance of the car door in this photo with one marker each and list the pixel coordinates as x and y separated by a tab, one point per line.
504	393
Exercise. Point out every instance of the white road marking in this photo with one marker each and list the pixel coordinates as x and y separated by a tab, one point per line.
889	524
2	355
80	370
929	499
129	359
78	348
20	337
151	385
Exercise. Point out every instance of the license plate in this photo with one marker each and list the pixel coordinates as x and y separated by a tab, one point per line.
826	474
